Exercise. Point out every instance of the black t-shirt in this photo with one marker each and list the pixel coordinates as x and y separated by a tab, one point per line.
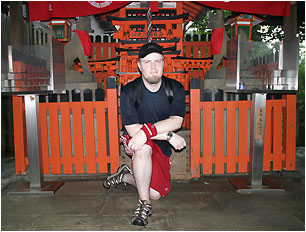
154	107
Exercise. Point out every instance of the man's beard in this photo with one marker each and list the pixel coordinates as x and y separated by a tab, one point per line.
153	79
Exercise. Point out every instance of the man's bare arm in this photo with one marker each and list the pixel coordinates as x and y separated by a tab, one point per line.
173	123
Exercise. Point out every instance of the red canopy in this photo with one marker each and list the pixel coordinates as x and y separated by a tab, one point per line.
277	8
46	10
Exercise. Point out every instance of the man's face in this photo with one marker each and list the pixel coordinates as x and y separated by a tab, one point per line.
152	67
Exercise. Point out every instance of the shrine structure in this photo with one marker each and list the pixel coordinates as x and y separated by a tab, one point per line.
80	129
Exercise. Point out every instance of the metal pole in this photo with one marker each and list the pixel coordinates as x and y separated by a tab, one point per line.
149	23
36	183
34	140
255	181
257	138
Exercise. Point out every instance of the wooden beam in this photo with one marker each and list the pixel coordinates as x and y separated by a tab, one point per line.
290	31
16	23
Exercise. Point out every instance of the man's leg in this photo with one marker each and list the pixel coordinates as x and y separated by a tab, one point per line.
129	179
142	169
143	163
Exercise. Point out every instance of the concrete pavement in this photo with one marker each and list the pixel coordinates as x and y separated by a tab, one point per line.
208	203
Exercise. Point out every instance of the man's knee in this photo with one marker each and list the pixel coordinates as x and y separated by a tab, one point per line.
154	195
145	151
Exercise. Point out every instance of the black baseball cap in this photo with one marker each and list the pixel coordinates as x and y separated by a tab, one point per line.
150	48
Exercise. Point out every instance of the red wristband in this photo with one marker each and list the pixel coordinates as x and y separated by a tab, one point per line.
149	129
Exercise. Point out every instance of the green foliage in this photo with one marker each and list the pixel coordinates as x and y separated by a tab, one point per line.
267	33
260	33
201	27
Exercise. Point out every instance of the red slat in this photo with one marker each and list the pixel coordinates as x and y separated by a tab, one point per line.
19	135
231	137
113	128
77	137
207	137
66	137
267	158
54	138
90	137
195	132
101	137
243	136
188	51
277	135
44	137
290	124
219	137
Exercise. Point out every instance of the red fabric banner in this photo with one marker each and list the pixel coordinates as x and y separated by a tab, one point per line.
86	42
277	8
154	6
46	10
216	41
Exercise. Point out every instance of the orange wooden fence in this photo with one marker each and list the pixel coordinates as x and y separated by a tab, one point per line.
83	137
70	142
220	135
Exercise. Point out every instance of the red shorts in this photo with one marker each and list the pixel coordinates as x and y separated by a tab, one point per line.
160	180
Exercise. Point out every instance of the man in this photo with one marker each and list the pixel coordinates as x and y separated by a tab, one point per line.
150	122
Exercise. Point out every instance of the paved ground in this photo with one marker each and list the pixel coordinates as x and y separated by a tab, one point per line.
208	203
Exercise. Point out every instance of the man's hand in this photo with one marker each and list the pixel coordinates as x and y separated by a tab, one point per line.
138	140
177	141
124	140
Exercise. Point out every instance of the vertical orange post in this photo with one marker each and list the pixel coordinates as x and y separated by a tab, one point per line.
290	131
19	135
207	137
112	104
277	135
188	51
267	158
113	49
66	137
54	138
90	137
231	136
77	137
98	57
195	127
44	137
243	136
219	137
101	136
